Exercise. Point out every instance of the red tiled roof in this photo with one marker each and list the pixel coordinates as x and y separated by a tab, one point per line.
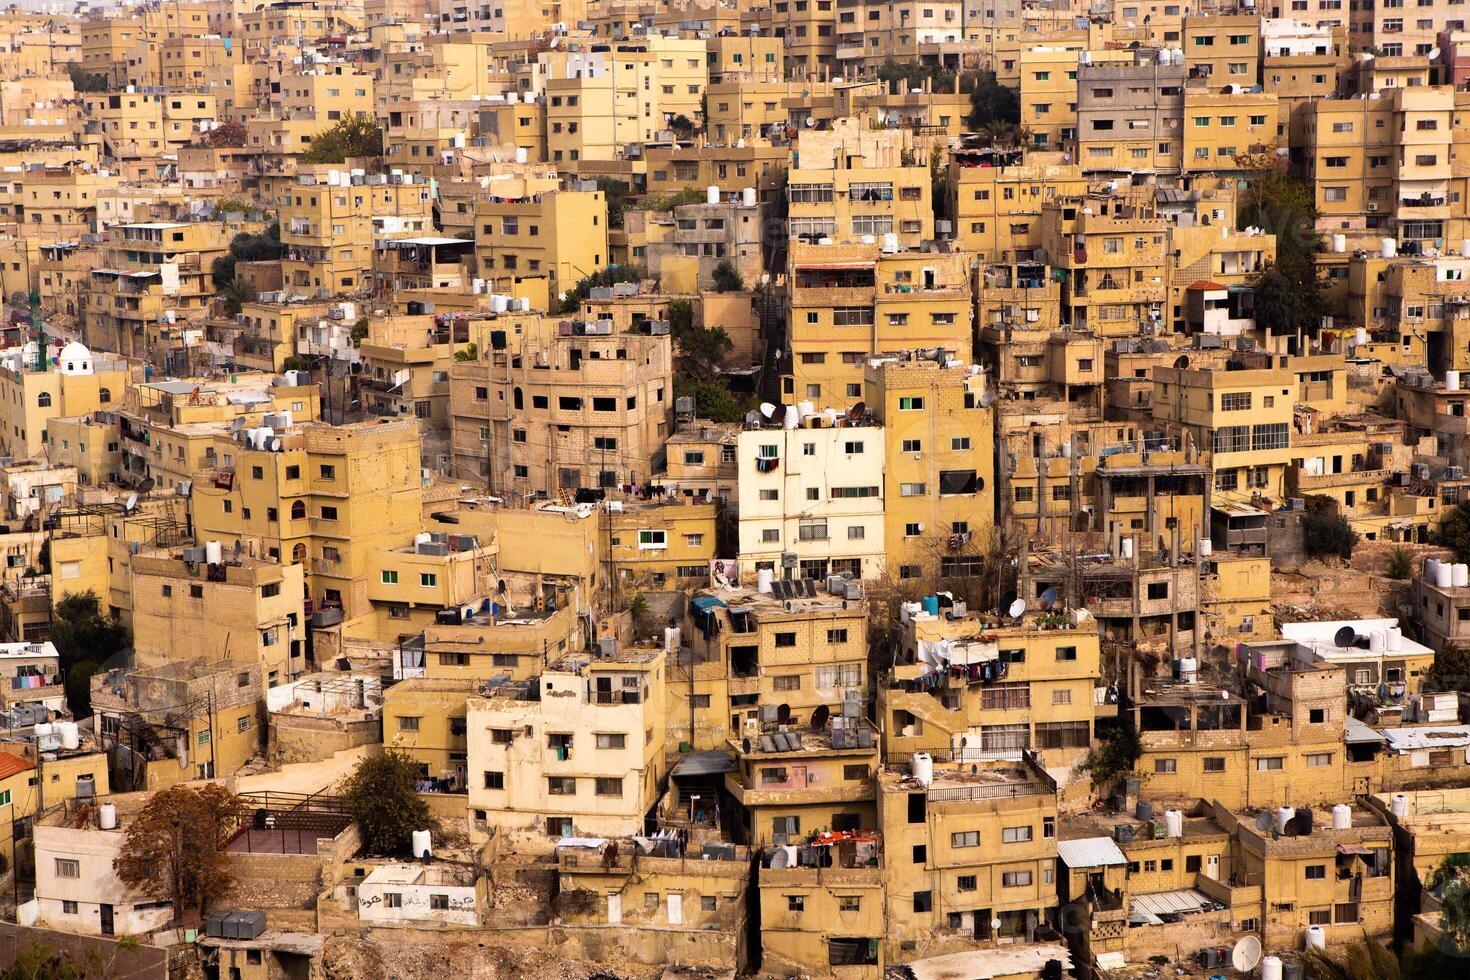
10	764
1205	284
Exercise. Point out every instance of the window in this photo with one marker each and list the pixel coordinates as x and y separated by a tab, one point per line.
914	404
1214	763
965	883
1015	835
609	786
796	903
1316	872
561	785
923	901
390	577
1316	760
611	740
408	723
495	780
428	580
1273	763
1015	879
68	907
966	838
1235	401
68	868
849	903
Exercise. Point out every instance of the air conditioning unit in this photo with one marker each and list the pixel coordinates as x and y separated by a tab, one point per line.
1372	206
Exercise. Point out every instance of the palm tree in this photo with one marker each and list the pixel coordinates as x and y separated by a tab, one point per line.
1366	960
471	352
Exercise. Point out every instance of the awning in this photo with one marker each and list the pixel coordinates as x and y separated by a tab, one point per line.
712	763
704	603
1149	909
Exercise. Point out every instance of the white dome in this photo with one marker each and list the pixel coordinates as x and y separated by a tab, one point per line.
75	359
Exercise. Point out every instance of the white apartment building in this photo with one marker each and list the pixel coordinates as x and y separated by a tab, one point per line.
811	498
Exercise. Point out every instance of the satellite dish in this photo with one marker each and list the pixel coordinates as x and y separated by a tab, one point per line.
1246	954
820	714
767	409
1345	637
987	398
1049	597
1181	363
779	858
1017	609
132	502
146	485
275	445
857	410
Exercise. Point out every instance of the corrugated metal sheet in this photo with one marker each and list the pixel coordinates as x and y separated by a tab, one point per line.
1090	852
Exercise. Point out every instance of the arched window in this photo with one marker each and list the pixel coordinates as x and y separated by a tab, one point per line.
104	395
298	553
519	400
44	399
298	510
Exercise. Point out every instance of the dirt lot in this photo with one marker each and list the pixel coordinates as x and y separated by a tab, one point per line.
1318	591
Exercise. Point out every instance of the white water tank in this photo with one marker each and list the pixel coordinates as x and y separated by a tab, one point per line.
1395	639
1188	670
1316	938
1206	547
923	768
1126	548
671	639
1377	641
423	844
214	553
890	242
423	537
1459	575
71	734
1452	381
498	303
1399	805
712	195
1342	817
763	579
1388	248
792	417
44	730
1430	564
747	197
806	408
1339	243
521	155
1362	335
1443	575
1271	968
1284	815
107	817
1174	823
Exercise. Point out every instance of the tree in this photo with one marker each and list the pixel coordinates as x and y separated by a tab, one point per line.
84	637
85	81
174	849
381	795
235	294
1283	205
225	135
616	193
1286	306
1454	531
713	399
355	136
1400	563
42	962
1365	960
991	102
681	317
359	331
471	352
727	278
913	75
683	126
1450	670
247	247
702	350
1117	754
1325	534
572	300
